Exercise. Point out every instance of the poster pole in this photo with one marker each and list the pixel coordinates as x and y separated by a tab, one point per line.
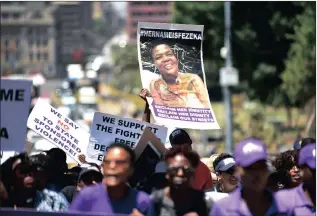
226	89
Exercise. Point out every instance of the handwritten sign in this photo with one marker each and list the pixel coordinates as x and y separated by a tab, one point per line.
15	98
107	129
59	130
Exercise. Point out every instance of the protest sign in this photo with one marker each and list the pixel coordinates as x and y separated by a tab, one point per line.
59	130
15	98
149	151
171	67
107	129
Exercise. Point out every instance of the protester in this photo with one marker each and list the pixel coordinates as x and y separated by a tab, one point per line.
252	198
179	198
29	182
57	180
157	180
301	200
287	162
13	172
225	168
212	169
4	197
113	195
90	174
202	179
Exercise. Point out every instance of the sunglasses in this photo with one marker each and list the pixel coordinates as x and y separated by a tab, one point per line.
187	170
230	171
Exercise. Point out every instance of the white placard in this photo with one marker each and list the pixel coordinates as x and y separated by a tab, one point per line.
107	129
58	129
15	97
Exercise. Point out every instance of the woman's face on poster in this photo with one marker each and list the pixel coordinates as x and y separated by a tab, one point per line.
165	60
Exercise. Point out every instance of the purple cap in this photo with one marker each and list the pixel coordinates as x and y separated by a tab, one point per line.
307	155
249	151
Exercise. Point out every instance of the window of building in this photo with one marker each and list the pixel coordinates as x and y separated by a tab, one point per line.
38	56
45	56
38	42
6	55
135	24
4	15
6	43
17	43
16	15
44	42
18	56
31	56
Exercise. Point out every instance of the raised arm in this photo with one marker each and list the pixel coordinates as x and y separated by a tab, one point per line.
147	112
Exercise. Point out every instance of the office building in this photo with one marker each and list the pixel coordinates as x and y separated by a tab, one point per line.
72	19
146	11
27	37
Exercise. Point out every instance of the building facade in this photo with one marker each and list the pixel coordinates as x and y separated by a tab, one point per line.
146	11
27	37
71	20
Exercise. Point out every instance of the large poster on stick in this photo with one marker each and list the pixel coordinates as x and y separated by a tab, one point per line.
172	70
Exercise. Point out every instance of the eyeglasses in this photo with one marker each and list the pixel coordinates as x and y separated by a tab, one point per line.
117	162
187	170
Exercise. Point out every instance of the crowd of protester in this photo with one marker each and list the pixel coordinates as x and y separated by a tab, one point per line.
245	183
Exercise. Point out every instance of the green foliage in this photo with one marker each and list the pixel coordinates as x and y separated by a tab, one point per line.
300	66
260	42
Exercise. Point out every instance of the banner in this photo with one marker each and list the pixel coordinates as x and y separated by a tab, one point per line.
59	130
172	69
107	129
15	98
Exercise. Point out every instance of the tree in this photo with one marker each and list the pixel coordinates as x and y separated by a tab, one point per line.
259	45
299	76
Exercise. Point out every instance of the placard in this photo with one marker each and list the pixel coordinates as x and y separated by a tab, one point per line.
59	130
15	98
107	129
149	152
172	70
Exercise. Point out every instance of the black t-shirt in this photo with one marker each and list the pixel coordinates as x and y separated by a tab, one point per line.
163	205
70	192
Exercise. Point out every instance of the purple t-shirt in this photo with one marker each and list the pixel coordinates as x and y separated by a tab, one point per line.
234	205
95	199
296	202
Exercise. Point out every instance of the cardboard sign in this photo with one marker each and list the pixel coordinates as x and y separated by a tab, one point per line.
172	69
15	98
149	152
107	129
59	130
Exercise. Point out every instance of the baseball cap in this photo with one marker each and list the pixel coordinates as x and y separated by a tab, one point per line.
297	144
160	167
307	155
88	168
179	137
249	151
225	164
301	142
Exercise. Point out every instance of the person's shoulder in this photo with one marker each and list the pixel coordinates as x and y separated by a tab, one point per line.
54	195
203	167
92	191
68	189
286	198
141	195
